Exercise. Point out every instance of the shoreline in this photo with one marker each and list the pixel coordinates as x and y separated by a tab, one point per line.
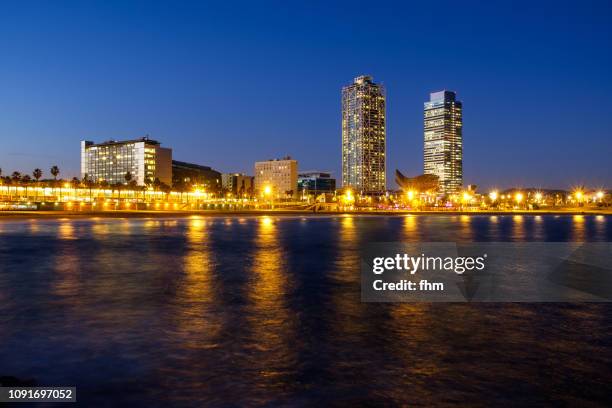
13	215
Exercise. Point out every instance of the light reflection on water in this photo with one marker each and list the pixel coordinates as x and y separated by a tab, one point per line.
266	310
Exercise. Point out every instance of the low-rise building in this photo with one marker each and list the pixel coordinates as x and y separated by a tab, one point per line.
316	182
186	176
110	161
277	177
238	184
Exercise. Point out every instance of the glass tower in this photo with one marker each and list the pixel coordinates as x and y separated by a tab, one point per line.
443	150
364	136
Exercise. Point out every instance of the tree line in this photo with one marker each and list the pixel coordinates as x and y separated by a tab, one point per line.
18	179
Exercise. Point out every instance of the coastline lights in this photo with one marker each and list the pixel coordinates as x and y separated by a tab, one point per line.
600	194
348	197
518	197
410	195
466	197
493	196
538	196
267	190
579	195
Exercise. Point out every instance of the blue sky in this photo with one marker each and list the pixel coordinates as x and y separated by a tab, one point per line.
228	84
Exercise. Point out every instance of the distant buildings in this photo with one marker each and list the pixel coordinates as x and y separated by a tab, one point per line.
110	161
316	182
187	175
443	151
276	177
238	184
364	136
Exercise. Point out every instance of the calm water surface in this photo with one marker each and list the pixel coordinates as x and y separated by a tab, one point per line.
266	311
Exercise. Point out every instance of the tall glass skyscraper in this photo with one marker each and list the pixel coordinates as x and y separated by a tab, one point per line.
364	136
443	152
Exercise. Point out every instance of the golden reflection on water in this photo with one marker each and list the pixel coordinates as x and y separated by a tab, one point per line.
410	228
34	226
578	228
65	281
100	229
518	229
196	320
466	232
269	279
268	317
66	230
347	261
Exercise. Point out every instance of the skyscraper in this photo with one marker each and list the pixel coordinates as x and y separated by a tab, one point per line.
443	152
364	136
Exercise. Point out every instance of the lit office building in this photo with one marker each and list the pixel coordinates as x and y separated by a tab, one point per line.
316	182
443	152
276	177
110	161
238	184
364	136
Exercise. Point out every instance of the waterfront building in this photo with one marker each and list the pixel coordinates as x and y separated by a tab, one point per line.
443	141
143	158
316	182
364	136
238	184
277	177
186	176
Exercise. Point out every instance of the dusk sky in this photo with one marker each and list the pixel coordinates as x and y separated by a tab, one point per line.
226	85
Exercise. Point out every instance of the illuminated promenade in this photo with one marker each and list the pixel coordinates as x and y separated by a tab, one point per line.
68	198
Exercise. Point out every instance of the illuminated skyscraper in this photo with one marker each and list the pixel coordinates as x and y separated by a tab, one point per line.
364	136
443	152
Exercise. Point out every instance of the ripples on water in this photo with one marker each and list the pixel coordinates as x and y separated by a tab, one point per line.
266	310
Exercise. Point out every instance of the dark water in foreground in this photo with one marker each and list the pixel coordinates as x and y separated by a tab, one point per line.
266	311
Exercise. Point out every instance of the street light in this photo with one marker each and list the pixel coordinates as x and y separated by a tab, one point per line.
518	197
578	195
493	196
268	192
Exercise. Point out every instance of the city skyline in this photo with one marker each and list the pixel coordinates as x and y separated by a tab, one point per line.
68	77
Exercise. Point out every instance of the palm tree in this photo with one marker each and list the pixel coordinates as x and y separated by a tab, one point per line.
75	182
26	179
128	177
37	173
88	182
55	171
15	179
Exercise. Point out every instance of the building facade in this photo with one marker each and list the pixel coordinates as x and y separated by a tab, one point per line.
238	184
278	176
443	141
316	183
364	136
186	176
110	161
